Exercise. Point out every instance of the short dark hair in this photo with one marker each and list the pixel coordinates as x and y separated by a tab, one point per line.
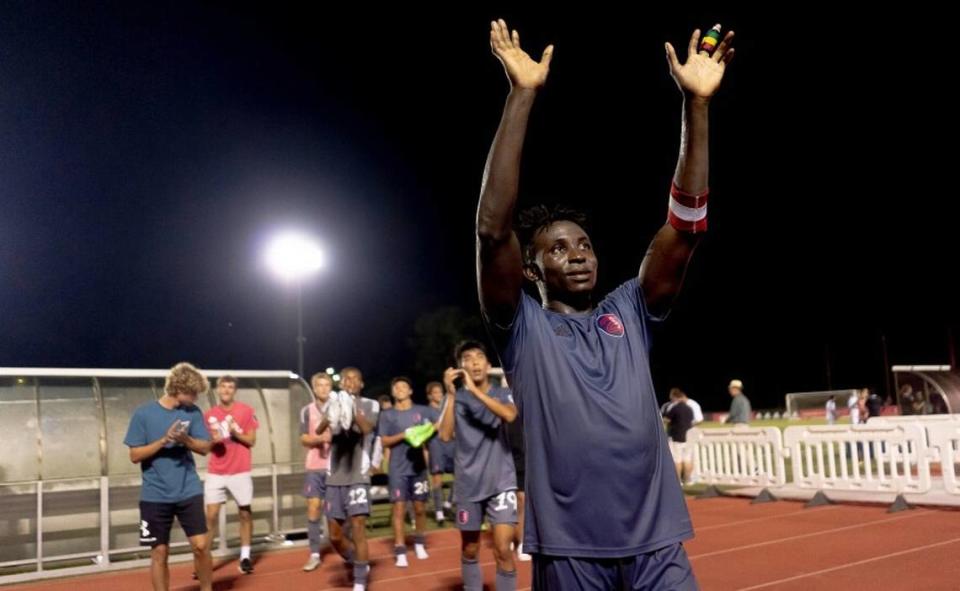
397	379
468	345
353	369
534	219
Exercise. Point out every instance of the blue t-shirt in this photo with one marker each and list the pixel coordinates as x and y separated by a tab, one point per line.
438	448
404	460
170	476
484	463
600	479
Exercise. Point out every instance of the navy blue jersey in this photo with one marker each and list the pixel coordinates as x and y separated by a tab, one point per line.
435	446
484	464
404	460
600	479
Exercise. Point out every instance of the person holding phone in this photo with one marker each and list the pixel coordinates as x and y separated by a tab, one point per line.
162	437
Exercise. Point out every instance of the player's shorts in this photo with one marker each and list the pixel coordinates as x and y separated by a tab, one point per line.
342	502
498	509
215	488
665	569
681	452
409	488
315	484
156	520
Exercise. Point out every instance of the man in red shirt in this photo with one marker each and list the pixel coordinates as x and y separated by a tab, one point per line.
233	427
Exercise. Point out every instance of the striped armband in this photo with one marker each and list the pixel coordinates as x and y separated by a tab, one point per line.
688	213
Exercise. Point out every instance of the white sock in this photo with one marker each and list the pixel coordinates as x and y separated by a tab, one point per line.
244	552
315	555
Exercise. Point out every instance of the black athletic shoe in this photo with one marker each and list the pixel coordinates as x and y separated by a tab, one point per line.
246	566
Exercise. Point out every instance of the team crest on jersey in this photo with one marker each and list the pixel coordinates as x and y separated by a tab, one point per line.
610	324
463	516
562	330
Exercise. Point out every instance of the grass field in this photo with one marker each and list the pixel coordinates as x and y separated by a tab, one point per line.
778	423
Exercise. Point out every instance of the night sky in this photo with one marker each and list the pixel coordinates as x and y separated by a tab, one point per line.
148	152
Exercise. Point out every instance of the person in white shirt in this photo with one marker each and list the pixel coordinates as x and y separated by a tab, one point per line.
831	410
853	404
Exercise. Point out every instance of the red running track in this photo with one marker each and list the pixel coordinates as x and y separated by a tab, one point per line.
738	547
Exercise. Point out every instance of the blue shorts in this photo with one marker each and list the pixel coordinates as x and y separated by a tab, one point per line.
441	460
315	485
343	502
409	488
665	569
499	509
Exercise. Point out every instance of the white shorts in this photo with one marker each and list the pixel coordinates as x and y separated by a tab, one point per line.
240	486
681	452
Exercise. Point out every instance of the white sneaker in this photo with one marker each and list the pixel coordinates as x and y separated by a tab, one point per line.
332	413
358	586
521	556
421	552
312	564
366	462
402	561
346	411
447	505
440	516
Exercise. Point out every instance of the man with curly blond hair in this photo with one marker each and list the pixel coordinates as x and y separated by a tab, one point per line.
161	437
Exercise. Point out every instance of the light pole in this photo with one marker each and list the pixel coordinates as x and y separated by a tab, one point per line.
294	257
